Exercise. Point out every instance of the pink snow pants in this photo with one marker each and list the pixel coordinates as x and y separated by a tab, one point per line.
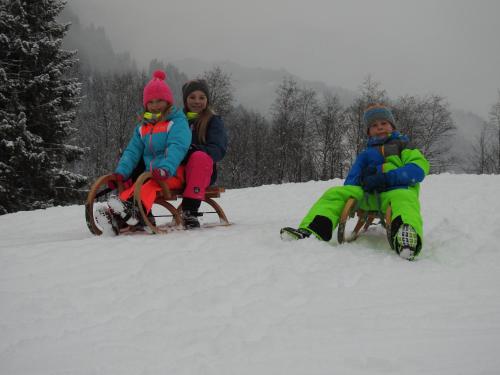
198	170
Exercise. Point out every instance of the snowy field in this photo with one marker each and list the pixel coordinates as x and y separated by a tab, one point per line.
238	300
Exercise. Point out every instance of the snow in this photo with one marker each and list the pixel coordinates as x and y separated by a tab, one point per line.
238	300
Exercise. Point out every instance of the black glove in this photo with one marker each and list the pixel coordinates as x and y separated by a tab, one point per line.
375	182
369	171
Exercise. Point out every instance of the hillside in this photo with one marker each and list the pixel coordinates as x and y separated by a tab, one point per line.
238	300
95	51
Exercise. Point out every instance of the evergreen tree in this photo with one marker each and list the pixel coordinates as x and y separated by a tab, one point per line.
37	107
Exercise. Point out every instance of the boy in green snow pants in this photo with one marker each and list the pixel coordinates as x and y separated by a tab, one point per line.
386	167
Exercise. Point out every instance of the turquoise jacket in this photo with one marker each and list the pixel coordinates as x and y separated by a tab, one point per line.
161	145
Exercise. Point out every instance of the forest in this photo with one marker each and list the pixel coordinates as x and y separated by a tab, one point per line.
63	122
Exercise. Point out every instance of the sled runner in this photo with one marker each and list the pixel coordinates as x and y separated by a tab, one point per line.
365	219
164	216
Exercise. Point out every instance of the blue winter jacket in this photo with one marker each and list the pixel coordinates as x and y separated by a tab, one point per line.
216	139
403	166
161	145
215	145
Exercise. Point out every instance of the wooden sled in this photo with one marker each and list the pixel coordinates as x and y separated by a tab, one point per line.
99	192
365	219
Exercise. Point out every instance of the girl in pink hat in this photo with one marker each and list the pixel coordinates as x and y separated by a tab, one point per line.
161	140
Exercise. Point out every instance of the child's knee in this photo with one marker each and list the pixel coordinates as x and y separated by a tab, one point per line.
200	158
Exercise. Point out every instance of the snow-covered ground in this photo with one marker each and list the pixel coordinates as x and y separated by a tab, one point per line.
238	300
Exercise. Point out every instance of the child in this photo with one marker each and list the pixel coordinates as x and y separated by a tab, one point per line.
209	145
161	140
386	167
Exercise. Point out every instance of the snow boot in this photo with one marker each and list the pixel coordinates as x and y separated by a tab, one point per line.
141	225
290	234
190	207
406	241
104	218
124	209
190	219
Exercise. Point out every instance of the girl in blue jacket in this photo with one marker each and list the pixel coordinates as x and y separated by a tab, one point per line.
161	140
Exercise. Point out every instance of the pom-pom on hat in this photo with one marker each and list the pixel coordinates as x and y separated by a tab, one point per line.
194	85
157	88
378	112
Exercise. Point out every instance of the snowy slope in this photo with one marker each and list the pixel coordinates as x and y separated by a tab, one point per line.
238	300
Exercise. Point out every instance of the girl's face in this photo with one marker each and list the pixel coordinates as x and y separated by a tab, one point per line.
157	106
380	128
196	101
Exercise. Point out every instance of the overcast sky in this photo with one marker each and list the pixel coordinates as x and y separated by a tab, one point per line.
446	47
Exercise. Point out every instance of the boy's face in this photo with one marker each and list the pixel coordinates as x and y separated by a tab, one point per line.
380	128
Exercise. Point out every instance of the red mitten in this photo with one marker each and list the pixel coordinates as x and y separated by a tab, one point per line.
160	174
112	185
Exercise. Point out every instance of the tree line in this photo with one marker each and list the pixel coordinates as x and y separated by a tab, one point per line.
63	124
311	136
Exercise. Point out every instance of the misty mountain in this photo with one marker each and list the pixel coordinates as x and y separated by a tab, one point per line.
95	51
255	88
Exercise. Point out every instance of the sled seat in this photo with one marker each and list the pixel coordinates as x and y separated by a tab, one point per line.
365	219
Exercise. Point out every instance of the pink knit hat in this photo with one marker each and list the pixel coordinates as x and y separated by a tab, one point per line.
157	89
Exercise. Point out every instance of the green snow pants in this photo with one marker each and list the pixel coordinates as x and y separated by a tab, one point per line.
324	215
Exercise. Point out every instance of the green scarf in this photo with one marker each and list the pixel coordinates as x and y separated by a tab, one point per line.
192	115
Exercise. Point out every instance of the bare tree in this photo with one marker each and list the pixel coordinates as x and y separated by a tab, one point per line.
495	122
428	123
107	117
484	153
284	120
330	130
408	112
221	90
303	157
247	162
371	93
175	78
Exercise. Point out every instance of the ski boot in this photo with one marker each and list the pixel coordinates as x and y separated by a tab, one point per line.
290	234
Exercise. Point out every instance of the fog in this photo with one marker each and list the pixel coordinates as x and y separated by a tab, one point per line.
446	47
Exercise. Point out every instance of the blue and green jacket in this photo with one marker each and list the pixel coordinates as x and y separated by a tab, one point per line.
161	145
404	167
